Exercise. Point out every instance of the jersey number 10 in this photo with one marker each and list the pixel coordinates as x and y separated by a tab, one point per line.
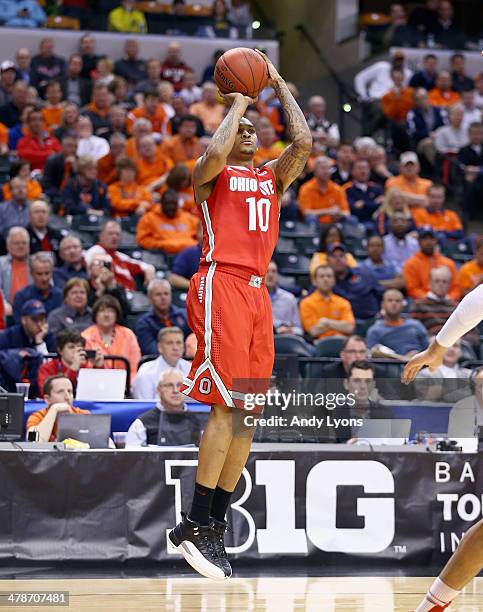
258	210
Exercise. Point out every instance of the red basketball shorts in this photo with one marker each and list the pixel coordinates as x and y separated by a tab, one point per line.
231	314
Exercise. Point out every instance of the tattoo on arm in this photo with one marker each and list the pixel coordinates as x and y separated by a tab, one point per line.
224	137
293	159
211	163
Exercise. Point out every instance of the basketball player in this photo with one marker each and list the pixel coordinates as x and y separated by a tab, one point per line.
229	308
467	561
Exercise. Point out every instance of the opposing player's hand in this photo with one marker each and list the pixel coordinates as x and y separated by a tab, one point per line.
273	74
231	98
431	357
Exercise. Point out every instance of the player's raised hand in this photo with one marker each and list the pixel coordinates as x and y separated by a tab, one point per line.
431	357
273	73
231	98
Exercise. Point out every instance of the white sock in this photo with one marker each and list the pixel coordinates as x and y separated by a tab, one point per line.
439	594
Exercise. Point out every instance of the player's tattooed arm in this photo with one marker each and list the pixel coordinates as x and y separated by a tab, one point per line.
211	163
292	160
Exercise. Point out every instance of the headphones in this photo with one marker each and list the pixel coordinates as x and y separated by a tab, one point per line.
472	378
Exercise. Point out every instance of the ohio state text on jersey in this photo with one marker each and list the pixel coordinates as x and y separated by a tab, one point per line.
240	219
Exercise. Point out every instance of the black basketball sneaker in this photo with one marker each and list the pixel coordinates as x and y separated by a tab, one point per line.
219	530
197	545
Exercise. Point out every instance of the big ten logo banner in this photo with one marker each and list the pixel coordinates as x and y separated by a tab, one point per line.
349	505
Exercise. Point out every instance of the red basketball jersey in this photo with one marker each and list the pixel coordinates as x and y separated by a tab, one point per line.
240	219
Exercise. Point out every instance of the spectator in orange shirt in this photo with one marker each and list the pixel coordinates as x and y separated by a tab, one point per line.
110	337
323	313
167	227
179	179
321	196
141	127
185	146
54	108
3	139
126	195
151	110
417	269
413	187
442	94
37	145
268	146
443	221
58	394
399	99
153	164
208	109
471	273
21	168
106	166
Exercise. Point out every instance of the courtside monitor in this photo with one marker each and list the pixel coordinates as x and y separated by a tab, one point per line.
11	417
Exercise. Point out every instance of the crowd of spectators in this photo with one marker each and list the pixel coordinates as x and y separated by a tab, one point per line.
433	24
100	234
221	19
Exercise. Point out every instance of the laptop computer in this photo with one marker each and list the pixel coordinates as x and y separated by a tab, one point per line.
385	431
94	429
99	384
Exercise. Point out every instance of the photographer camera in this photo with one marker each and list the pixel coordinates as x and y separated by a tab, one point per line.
103	282
72	356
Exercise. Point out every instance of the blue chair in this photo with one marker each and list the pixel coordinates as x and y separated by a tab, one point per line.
329	347
289	344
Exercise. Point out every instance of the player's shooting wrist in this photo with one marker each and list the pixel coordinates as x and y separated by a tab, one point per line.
277	82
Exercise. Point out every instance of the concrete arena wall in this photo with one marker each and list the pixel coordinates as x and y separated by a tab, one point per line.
197	51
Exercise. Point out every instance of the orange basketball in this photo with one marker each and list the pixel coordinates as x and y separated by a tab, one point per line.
241	70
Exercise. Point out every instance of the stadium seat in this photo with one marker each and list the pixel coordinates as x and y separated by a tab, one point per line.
290	263
128	224
291	229
59	223
62	23
362	325
127	240
329	347
357	246
4	170
139	302
156	259
147	358
87	239
289	344
179	298
90	224
285	245
460	251
307	245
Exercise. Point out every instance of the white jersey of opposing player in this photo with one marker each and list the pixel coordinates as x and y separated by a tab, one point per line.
467	315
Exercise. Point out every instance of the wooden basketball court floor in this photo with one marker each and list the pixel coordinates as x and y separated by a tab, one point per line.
277	594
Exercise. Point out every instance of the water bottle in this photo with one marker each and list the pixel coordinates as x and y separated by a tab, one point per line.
430	42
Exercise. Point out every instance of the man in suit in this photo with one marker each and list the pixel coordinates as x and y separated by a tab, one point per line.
75	88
